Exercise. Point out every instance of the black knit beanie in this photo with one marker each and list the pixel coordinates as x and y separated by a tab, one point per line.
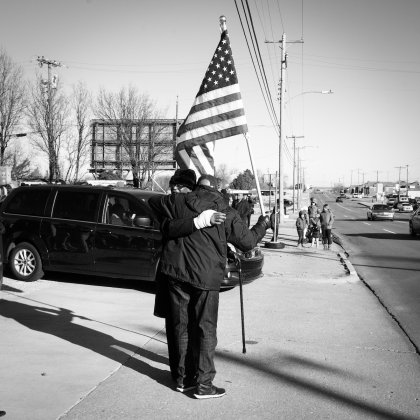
184	177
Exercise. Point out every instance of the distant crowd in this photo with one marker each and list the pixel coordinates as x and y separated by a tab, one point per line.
313	224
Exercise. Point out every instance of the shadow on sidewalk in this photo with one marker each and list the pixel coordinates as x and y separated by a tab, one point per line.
58	322
7	288
320	390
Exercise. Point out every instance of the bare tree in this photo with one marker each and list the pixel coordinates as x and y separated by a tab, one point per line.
12	100
131	113
78	141
224	173
47	114
20	164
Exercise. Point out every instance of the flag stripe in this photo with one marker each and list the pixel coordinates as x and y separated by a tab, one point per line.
199	152
190	160
208	100
229	132
211	123
221	126
185	161
217	93
210	110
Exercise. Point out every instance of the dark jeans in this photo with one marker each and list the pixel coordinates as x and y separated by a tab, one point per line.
300	237
326	236
193	320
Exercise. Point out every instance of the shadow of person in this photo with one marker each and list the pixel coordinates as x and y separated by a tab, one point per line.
59	322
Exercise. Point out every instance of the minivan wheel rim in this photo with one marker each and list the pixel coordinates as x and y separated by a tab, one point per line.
24	262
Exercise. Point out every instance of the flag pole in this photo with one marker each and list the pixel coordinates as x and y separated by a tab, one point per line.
223	27
246	135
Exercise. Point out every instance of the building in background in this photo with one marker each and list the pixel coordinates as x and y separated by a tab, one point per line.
133	149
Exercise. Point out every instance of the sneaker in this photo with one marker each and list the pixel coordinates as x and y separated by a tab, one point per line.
211	391
189	386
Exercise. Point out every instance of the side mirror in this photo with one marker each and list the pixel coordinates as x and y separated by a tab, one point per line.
142	222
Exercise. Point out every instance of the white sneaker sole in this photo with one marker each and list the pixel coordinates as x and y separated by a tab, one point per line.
203	397
188	388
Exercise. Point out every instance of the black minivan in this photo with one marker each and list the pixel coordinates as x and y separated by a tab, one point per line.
103	231
80	229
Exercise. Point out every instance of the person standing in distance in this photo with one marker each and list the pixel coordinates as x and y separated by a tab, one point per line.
327	220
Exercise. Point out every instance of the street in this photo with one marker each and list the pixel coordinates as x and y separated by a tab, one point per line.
385	256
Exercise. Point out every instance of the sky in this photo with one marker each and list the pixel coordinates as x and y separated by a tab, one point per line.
365	51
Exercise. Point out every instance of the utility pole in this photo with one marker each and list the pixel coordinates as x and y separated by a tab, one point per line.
363	181
298	177
269	189
407	181
294	164
399	178
51	84
281	122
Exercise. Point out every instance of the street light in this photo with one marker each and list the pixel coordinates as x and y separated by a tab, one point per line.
321	92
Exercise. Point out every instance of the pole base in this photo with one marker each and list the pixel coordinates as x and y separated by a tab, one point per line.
274	245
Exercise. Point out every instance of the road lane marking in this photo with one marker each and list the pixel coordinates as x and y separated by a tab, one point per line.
366	223
401	221
390	231
346	208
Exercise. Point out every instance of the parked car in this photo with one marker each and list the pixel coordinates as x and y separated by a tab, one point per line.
339	199
391	201
414	223
404	207
101	231
380	212
357	195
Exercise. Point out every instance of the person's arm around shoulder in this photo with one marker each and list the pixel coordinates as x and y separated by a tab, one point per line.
173	227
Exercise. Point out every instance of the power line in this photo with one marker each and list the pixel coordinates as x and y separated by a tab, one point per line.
256	49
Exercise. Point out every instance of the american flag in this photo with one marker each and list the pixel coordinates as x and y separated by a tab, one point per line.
217	113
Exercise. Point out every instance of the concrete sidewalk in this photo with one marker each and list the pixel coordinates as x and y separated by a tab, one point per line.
318	346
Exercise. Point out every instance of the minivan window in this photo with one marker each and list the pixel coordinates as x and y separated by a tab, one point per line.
76	205
122	210
28	201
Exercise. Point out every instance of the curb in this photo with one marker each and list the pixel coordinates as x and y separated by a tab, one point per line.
347	264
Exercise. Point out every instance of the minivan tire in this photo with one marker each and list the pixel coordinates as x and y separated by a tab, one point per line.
25	262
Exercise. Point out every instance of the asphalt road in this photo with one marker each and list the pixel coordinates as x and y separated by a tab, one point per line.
385	257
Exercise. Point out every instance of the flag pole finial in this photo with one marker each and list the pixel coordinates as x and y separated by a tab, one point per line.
222	21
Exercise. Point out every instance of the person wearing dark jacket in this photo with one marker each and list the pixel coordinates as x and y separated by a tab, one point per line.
244	209
327	220
300	227
182	182
194	266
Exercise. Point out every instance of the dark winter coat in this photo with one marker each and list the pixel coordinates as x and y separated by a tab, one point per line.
244	208
327	219
200	258
300	223
312	210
